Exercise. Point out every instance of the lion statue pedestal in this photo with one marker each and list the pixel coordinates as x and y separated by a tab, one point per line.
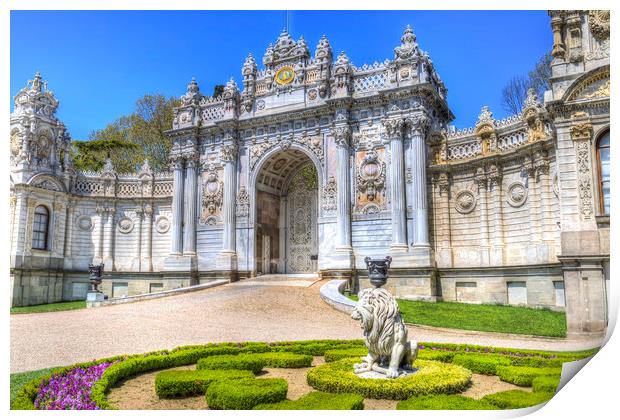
390	354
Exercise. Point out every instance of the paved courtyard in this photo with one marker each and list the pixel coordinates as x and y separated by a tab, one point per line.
243	311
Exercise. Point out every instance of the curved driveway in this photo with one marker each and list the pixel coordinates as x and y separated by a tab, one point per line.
242	311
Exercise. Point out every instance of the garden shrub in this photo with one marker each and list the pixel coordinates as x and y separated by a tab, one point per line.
284	360
181	383
537	361
337	354
546	383
236	362
444	402
244	394
431	378
438	355
523	375
485	364
318	401
517	398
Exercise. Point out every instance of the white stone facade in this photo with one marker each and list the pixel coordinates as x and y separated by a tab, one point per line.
315	164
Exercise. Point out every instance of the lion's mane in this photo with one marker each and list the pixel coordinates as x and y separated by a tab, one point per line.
379	317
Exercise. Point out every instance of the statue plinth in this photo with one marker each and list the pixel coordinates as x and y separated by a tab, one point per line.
390	354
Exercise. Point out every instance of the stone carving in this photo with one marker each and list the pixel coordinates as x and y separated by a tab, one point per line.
599	22
371	175
313	143
485	131
556	186
583	179
212	195
162	225
125	225
301	214
516	195
385	335
328	198
84	222
532	113
465	202
408	49
243	202
228	153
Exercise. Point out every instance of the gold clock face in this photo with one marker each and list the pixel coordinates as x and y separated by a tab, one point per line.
285	75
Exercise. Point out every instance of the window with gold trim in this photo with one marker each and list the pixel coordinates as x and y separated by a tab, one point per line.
602	157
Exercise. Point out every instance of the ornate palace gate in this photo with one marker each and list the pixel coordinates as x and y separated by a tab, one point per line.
301	222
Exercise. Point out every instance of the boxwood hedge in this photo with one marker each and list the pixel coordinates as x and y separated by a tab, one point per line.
337	354
244	394
431	377
285	360
444	402
545	383
485	364
318	401
524	375
182	383
236	362
517	399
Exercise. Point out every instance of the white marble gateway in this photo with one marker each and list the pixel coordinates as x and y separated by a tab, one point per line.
311	163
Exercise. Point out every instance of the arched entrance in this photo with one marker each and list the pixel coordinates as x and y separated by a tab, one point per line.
286	200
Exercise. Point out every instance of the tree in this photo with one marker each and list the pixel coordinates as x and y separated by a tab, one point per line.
515	91
131	139
218	90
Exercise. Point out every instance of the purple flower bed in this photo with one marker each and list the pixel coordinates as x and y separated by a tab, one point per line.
70	391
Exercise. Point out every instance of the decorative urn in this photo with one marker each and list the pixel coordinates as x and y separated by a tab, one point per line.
378	270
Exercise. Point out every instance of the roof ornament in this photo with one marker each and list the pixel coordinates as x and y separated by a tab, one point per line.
323	50
531	101
268	57
342	59
145	169
409	47
193	93
485	117
249	66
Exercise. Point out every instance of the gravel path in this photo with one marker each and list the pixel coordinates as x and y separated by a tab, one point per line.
233	312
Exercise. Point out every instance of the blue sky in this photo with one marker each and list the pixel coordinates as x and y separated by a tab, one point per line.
99	62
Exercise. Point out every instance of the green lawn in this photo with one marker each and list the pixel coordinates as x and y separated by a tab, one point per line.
49	307
18	380
491	318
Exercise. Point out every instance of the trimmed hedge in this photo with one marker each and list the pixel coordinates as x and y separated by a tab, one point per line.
244	394
444	402
438	355
337	354
510	352
485	364
236	362
431	377
524	375
517	399
182	383
284	360
545	383
318	401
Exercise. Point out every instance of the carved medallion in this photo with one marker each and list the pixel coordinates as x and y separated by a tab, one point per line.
285	75
125	225
599	23
312	94
84	222
465	202
371	175
516	195
162	225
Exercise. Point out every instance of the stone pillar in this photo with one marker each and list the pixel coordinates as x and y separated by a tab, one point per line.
189	205
138	259
59	226
69	228
98	236
146	263
177	206
228	256
497	220
443	225
533	201
109	230
546	214
481	180
418	127
394	132
343	203
31	204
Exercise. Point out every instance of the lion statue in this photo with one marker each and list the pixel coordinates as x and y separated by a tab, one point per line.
385	334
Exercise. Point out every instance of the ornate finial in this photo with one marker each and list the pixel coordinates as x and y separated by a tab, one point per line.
485	117
342	59
108	167
249	65
192	87
532	99
408	48
231	85
323	49
146	168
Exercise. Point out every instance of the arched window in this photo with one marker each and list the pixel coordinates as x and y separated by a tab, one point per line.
40	228
602	155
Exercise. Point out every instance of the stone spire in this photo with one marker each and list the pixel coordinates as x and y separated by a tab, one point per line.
323	52
193	93
409	47
485	117
249	66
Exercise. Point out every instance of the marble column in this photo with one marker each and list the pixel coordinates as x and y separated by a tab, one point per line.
177	206
98	235
418	127
443	227
483	225
228	156
147	248
343	203
69	228
497	219
108	238
189	206
394	131
138	257
546	191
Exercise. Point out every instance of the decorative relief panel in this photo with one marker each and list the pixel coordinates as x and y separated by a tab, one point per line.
84	222
313	143
516	194
162	224
243	202
212	196
465	202
370	182
125	225
328	197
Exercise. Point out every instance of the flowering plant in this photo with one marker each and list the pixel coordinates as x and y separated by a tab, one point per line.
70	391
